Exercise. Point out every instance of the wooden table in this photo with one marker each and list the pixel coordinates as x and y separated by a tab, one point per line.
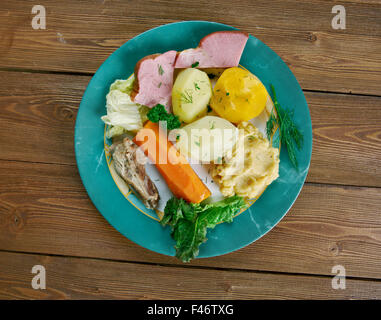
46	217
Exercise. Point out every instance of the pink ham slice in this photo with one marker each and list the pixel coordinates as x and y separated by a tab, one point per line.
154	80
221	49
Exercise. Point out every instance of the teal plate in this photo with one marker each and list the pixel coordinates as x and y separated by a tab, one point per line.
250	225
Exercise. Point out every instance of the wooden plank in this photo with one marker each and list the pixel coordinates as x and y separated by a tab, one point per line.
346	139
38	111
39	117
44	208
76	278
300	32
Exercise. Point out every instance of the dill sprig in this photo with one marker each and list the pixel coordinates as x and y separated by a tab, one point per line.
186	97
290	135
270	124
160	70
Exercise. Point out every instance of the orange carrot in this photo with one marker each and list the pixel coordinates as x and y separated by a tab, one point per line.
175	169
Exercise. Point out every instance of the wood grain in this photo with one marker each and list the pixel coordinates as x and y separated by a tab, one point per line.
44	208
346	139
76	278
47	218
80	35
38	118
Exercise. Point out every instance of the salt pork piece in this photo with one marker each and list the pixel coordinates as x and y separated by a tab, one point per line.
221	49
154	80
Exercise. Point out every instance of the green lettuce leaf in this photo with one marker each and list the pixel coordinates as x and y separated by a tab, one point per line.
190	221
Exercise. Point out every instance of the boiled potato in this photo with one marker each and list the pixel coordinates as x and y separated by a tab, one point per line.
191	94
238	95
207	139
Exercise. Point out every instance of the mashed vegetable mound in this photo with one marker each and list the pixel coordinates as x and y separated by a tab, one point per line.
251	167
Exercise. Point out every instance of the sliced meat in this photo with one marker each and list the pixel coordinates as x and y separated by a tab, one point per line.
221	49
154	80
186	58
129	163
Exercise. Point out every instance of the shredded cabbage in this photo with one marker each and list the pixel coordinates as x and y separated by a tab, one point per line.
113	131
122	113
123	85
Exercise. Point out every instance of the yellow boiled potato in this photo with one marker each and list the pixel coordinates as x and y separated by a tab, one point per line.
207	139
191	94
238	95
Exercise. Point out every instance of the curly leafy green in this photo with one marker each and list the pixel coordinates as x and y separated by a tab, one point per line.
158	113
190	221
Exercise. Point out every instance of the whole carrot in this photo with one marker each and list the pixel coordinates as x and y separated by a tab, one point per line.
175	169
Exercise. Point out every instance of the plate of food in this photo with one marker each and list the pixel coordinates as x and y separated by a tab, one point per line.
193	139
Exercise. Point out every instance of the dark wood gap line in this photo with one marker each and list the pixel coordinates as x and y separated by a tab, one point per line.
58	72
170	265
91	74
341	93
326	184
40	162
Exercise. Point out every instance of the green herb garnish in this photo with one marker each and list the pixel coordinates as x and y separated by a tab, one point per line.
161	71
194	65
190	221
227	93
290	136
186	97
270	124
196	87
159	85
158	113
